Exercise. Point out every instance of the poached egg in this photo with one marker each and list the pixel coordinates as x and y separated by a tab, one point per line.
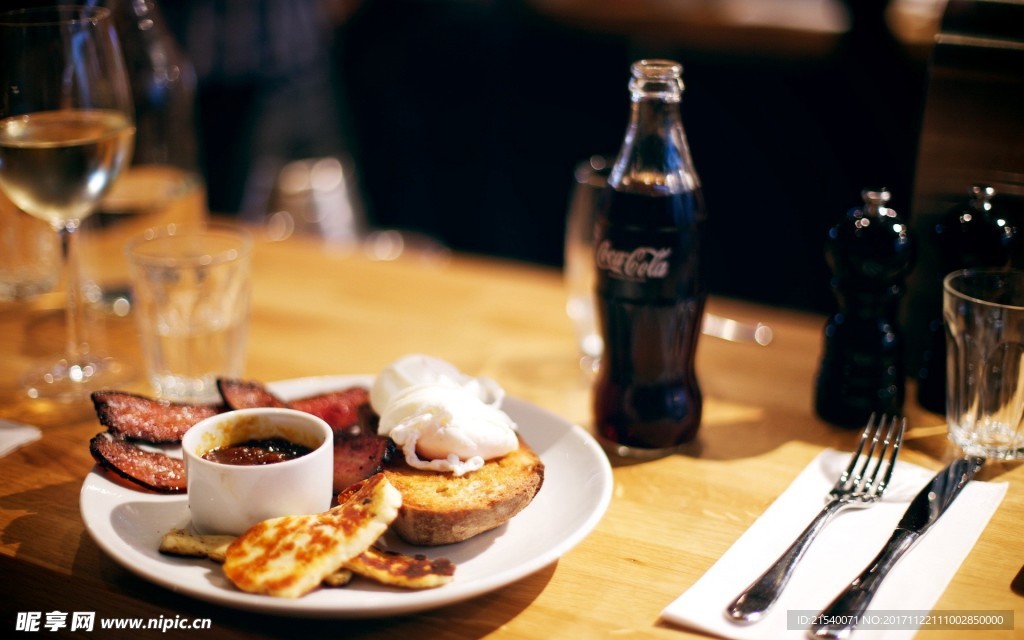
442	419
416	369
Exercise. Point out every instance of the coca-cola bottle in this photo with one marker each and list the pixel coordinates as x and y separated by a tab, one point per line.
650	280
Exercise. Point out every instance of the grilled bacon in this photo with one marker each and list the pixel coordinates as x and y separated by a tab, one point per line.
146	419
342	409
140	418
360	456
244	394
131	418
151	470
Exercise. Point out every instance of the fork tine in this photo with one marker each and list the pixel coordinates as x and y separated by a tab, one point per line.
897	443
861	481
870	484
868	429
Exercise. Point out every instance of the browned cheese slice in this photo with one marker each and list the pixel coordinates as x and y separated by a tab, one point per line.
386	567
289	556
182	542
400	570
185	543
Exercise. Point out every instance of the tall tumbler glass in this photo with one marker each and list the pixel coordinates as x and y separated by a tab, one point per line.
591	179
983	311
191	306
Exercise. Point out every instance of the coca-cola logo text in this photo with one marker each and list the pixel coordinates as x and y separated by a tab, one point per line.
641	263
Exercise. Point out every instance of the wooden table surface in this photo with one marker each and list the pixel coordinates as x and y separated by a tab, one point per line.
326	311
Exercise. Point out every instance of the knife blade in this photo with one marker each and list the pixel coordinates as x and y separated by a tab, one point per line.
838	620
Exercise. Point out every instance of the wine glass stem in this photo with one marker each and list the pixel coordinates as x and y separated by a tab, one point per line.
74	310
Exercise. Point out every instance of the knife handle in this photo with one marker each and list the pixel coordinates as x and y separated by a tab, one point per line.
838	619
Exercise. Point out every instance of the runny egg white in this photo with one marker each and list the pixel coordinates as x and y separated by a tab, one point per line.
442	419
416	369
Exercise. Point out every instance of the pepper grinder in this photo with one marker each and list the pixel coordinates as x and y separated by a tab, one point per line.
862	371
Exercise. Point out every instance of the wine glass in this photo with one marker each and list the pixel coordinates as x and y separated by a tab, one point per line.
66	130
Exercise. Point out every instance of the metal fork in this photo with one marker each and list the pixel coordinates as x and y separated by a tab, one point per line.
860	485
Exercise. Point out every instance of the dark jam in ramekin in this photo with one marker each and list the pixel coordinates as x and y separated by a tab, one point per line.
256	452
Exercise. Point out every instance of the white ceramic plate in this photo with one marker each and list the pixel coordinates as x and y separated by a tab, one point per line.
128	525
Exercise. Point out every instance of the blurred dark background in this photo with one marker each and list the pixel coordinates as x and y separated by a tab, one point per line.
464	119
470	117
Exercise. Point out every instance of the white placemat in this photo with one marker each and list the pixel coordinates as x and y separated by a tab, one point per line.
842	550
16	434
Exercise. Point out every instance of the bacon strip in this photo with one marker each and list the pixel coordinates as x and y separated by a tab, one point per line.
340	409
141	418
358	452
344	410
244	394
154	471
358	457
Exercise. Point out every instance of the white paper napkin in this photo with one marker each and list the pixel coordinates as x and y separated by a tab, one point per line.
15	434
842	550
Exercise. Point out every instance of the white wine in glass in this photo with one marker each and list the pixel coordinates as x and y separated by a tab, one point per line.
66	131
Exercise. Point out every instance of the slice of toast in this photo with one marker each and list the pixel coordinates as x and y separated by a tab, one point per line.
441	508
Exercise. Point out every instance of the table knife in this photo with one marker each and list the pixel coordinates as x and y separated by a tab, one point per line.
838	619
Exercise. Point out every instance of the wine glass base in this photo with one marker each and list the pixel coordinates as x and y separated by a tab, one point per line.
64	381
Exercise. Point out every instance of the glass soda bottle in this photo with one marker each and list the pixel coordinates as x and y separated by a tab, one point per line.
650	282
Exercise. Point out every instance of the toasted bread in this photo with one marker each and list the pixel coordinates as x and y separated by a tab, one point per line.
441	508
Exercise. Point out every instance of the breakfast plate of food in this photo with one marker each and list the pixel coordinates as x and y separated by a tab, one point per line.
558	484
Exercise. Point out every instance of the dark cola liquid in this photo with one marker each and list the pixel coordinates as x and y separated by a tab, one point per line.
650	300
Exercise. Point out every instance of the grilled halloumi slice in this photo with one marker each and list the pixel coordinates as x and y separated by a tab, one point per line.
386	567
399	570
182	542
289	556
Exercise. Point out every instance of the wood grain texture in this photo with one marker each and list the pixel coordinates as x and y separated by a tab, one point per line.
321	311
